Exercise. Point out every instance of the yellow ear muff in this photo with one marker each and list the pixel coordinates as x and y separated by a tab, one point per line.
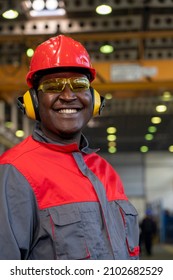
98	102
28	105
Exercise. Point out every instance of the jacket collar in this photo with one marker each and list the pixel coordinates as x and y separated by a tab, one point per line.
39	136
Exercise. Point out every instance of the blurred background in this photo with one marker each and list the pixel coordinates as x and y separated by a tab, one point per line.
131	46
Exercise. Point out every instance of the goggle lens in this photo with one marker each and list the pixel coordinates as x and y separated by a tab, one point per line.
58	84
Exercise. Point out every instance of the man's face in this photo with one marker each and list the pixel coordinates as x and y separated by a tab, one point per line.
64	113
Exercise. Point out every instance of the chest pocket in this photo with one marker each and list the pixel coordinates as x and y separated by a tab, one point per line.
130	221
67	233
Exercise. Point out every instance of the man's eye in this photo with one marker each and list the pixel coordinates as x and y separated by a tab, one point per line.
80	84
52	87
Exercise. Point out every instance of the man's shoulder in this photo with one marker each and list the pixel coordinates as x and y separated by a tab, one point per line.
18	150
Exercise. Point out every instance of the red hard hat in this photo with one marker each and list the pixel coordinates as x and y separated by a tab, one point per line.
60	51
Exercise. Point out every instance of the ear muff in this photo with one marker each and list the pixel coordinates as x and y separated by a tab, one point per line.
98	102
28	103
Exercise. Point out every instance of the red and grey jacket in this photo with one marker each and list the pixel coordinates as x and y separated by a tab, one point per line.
61	202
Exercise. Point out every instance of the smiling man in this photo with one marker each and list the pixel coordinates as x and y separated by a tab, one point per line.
58	198
71	105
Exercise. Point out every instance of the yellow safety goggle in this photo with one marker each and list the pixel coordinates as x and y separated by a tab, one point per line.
58	84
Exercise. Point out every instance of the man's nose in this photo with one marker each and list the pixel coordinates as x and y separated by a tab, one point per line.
68	93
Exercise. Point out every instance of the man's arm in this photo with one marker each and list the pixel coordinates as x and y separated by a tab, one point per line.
18	214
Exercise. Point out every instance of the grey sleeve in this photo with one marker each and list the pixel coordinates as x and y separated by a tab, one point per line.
18	214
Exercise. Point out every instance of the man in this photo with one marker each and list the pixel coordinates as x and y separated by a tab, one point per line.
148	231
58	198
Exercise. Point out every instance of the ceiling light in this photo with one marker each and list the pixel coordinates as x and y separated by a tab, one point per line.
47	13
30	52
166	96
103	9
112	150
106	49
20	133
38	5
10	14
108	96
51	4
111	129
111	137
9	124
171	148
152	129
161	108
111	144
156	120
44	8
144	149
149	136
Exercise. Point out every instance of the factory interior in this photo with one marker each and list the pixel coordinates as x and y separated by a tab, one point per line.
130	43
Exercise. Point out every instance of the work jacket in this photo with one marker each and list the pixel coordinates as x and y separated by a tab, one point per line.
62	202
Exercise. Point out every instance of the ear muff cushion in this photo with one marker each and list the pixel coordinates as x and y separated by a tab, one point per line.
98	102
31	104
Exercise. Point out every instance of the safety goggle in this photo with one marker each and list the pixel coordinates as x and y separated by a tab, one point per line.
58	84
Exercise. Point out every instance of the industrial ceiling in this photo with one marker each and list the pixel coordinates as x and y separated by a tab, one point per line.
135	75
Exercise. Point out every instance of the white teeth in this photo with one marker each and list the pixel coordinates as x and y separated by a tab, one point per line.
68	111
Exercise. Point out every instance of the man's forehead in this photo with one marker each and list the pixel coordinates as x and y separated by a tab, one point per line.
61	75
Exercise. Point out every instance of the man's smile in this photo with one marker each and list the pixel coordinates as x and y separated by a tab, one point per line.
68	111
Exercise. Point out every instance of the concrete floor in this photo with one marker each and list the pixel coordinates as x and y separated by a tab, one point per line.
160	252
